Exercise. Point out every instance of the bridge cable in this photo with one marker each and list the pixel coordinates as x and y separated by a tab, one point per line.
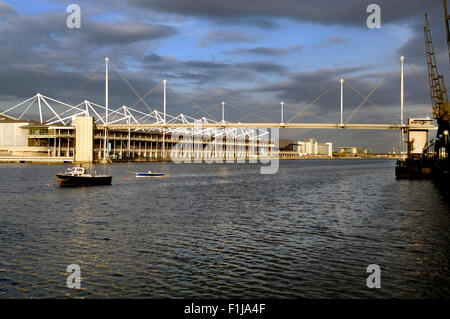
247	112
198	106
85	83
427	86
91	76
259	111
131	87
145	95
418	75
314	101
202	111
370	93
361	95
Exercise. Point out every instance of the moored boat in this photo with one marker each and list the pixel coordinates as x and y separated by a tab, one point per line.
81	176
149	174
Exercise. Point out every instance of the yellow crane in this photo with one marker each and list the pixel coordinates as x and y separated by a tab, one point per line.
438	90
447	18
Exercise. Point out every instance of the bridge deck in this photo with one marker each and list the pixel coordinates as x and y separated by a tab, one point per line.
271	125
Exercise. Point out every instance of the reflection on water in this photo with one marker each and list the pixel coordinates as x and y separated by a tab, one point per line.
224	230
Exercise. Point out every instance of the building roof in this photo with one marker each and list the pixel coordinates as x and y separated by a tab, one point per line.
9	119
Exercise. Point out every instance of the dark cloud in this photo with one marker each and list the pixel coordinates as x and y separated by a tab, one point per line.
45	39
153	58
414	48
63	85
263	67
124	33
266	50
7	11
349	12
261	22
225	37
217	72
204	65
336	39
40	54
414	51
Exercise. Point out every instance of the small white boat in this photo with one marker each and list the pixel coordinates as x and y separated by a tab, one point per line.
149	174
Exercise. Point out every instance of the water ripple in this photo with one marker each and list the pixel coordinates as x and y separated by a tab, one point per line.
220	231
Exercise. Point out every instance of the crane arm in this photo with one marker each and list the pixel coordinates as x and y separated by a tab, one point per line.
438	91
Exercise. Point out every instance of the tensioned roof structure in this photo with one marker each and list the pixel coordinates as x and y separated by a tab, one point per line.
52	112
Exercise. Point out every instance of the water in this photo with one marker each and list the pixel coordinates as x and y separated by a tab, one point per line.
224	230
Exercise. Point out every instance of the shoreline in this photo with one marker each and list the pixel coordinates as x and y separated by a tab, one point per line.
47	160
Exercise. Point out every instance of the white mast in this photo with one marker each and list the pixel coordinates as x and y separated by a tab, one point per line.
164	130
106	110
165	100
342	101
402	58
223	113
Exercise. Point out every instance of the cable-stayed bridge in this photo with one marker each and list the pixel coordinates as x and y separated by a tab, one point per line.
53	112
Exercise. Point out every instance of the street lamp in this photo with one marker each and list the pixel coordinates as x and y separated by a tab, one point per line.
441	155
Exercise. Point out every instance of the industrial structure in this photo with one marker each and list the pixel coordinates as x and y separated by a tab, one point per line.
432	160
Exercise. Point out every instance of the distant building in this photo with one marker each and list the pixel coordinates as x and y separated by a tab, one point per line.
307	147
310	147
354	150
325	149
287	145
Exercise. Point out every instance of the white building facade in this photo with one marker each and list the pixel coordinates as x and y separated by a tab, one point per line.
310	147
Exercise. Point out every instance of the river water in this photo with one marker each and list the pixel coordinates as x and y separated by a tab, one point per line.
225	231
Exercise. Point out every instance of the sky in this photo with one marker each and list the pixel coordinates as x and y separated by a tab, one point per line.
252	54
